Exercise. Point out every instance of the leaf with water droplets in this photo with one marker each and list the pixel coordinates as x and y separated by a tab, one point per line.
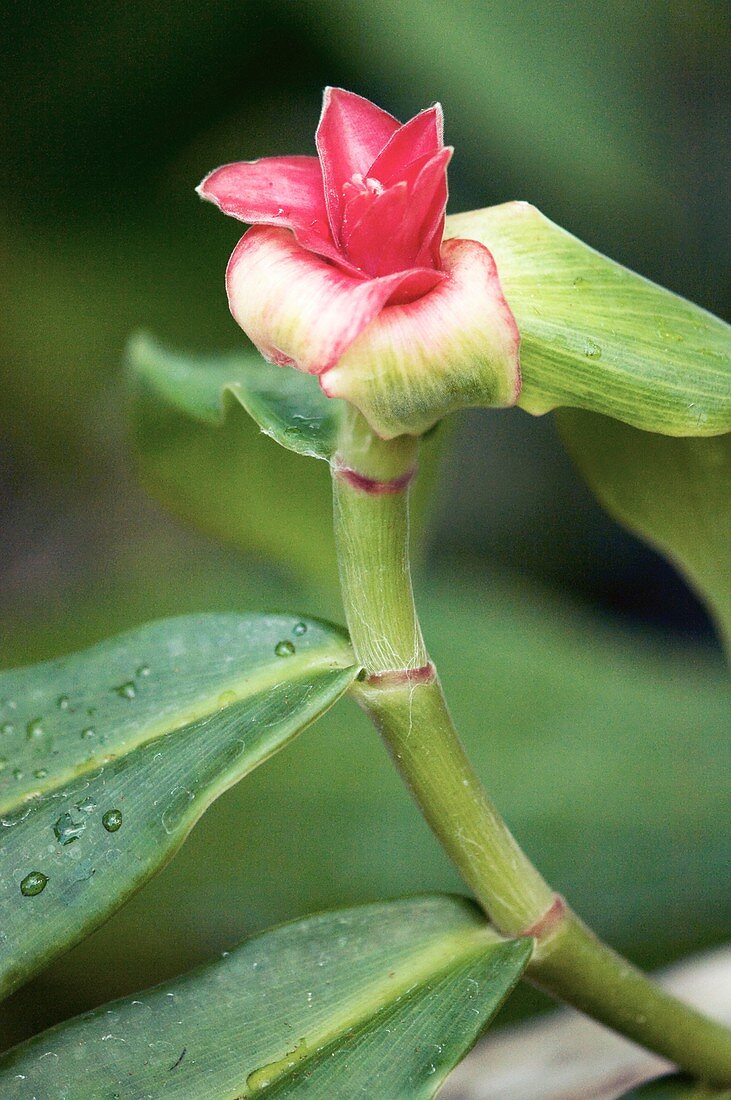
203	430
286	404
382	1000
201	452
182	709
597	336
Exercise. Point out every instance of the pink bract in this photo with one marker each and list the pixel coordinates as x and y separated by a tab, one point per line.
356	232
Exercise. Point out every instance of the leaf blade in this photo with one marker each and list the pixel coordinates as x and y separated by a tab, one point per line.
672	492
321	999
286	404
165	744
597	336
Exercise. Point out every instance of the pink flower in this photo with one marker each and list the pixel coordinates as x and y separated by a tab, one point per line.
345	274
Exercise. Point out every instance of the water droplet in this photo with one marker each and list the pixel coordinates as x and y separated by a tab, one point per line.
126	690
579	281
299	629
17	773
34	729
63	702
88	733
177	808
112	820
67	830
280	211
33	884
7	728
592	350
143	670
284	649
40	773
226	698
86	806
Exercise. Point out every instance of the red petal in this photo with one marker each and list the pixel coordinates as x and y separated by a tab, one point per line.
422	136
428	207
296	307
351	133
282	191
373	242
388	231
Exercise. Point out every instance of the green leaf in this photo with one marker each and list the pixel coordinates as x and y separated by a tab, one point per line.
597	336
605	719
675	1087
381	1000
672	492
286	404
201	452
111	755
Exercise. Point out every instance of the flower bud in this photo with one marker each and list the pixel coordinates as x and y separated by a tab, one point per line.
345	274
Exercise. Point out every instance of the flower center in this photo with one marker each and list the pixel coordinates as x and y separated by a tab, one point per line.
360	185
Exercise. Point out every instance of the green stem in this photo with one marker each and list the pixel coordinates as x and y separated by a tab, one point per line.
402	695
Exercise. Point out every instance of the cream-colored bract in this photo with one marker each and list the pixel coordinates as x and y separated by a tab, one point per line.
405	366
455	347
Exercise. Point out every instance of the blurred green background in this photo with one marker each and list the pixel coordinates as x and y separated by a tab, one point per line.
585	674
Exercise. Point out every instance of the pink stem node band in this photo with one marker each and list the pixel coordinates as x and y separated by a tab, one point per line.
372	485
400	676
548	922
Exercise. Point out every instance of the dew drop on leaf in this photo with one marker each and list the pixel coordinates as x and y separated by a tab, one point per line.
33	884
62	702
143	670
592	350
126	690
86	806
284	649
34	729
299	629
7	728
88	733
40	773
112	820
67	830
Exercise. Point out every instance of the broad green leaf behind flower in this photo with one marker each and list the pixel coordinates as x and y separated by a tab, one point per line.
288	406
675	493
195	423
596	336
201	452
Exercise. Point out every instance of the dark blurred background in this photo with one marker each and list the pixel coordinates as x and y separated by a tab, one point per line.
592	664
